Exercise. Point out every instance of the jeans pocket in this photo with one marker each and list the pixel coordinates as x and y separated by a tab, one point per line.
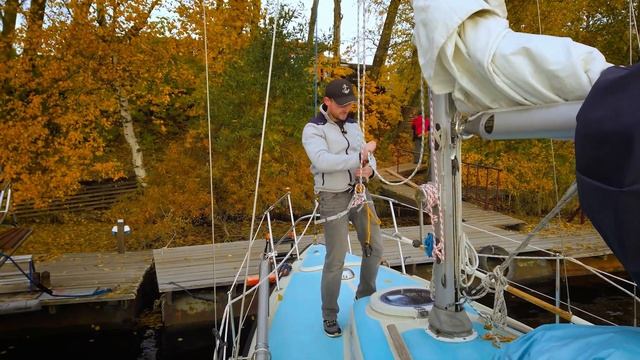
331	203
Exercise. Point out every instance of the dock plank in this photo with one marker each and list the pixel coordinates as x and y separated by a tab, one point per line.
85	272
191	267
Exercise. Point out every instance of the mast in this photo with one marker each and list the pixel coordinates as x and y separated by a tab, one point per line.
448	319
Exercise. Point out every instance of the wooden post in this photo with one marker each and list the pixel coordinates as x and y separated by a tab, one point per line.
497	204
120	236
486	190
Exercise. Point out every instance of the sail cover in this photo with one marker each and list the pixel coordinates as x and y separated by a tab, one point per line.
608	162
466	48
570	341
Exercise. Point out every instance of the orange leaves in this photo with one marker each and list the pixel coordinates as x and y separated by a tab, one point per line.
527	174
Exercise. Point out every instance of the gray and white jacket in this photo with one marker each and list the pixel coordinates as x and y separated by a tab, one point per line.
334	150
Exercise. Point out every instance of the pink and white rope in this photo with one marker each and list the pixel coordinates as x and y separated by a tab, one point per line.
431	190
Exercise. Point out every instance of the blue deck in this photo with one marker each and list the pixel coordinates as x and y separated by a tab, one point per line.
420	344
296	329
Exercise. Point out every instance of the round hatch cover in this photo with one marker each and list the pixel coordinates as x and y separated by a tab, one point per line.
405	301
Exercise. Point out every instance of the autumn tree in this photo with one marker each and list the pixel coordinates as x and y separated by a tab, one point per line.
52	127
382	49
337	25
603	24
313	19
97	66
177	197
8	16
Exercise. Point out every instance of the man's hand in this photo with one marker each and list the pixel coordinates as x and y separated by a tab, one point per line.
366	172
368	148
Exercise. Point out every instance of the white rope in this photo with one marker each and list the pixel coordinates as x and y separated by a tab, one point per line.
569	306
630	31
430	201
553	154
632	25
470	261
552	256
498	284
361	59
257	187
209	134
508	238
496	281
361	53
433	189
422	135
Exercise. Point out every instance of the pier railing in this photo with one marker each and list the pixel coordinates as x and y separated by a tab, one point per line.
481	185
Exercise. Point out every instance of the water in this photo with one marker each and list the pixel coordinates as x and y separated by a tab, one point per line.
589	293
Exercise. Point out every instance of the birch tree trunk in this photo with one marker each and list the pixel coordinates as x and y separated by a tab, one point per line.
130	137
123	102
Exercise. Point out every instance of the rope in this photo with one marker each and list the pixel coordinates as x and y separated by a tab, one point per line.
361	81
431	190
470	261
361	57
257	187
431	200
370	214
213	237
635	24
415	170
495	281
553	154
315	67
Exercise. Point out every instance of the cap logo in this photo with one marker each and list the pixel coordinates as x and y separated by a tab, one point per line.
345	89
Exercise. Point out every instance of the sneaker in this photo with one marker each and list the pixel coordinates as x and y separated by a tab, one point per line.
331	328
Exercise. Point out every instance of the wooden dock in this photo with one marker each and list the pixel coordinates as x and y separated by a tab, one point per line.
192	267
84	273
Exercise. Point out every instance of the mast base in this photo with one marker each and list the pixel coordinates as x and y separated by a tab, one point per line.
448	325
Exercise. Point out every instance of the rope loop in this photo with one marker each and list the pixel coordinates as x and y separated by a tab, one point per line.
430	201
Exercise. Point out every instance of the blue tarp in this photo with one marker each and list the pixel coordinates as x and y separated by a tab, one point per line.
608	162
569	341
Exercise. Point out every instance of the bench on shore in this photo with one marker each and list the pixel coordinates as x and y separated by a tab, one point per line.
99	196
11	278
10	241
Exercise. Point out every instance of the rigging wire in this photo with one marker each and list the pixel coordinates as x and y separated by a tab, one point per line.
257	187
361	59
209	133
360	102
555	179
315	67
633	25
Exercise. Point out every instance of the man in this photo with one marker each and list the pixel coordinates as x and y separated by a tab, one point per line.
335	145
417	124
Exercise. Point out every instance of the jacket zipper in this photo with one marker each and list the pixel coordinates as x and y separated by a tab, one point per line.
346	151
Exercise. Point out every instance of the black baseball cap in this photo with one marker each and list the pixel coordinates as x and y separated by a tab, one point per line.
340	91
